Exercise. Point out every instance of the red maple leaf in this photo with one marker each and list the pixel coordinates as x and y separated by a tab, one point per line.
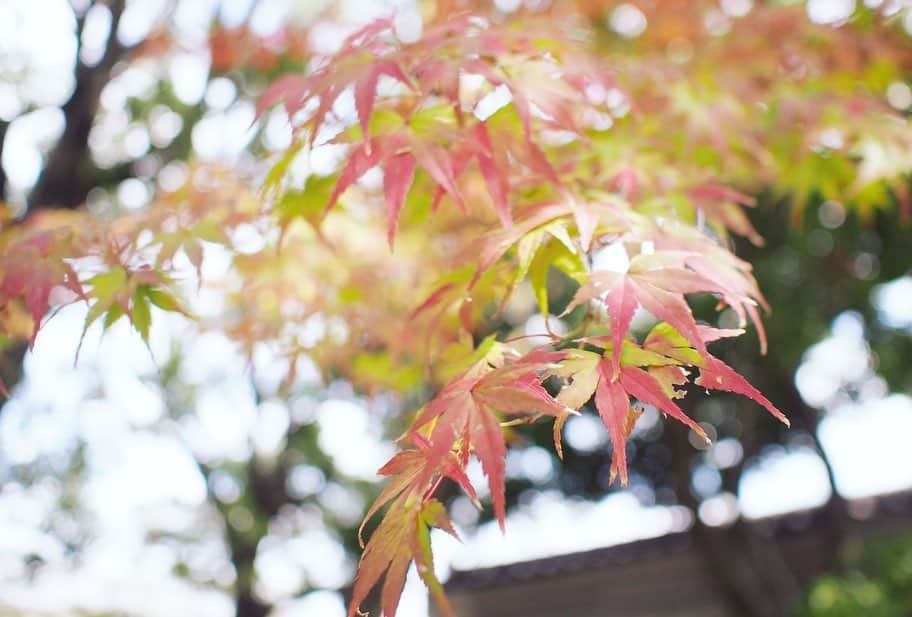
31	269
590	373
467	410
658	282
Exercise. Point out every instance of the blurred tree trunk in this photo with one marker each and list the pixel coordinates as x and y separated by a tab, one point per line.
243	553
4	125
67	176
807	419
723	550
751	570
263	495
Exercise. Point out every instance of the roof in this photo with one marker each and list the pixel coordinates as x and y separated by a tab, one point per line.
883	511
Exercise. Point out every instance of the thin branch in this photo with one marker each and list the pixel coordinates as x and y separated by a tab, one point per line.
80	26
4	125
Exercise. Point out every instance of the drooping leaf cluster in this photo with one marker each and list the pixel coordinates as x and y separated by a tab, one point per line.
559	127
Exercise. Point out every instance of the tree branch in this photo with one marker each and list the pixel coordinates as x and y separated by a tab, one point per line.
4	125
735	578
66	179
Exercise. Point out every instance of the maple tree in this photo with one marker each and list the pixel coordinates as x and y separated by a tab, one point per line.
487	153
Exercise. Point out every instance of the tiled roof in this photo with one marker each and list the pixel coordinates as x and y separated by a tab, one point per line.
886	509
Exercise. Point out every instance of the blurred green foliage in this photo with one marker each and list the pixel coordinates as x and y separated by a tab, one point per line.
878	583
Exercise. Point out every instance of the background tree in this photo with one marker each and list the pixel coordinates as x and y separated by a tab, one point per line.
876	582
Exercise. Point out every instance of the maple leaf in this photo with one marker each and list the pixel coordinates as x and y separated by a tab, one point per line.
433	515
714	373
429	140
538	226
658	283
406	467
730	275
398	174
31	269
119	292
496	244
492	165
621	302
398	154
467	409
593	374
657	286
724	204
360	62
514	389
431	68
402	536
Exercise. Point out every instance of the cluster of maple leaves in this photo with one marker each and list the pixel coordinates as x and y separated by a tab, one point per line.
118	266
430	132
496	149
430	124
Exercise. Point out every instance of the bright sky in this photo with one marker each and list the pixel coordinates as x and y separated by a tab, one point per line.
140	469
